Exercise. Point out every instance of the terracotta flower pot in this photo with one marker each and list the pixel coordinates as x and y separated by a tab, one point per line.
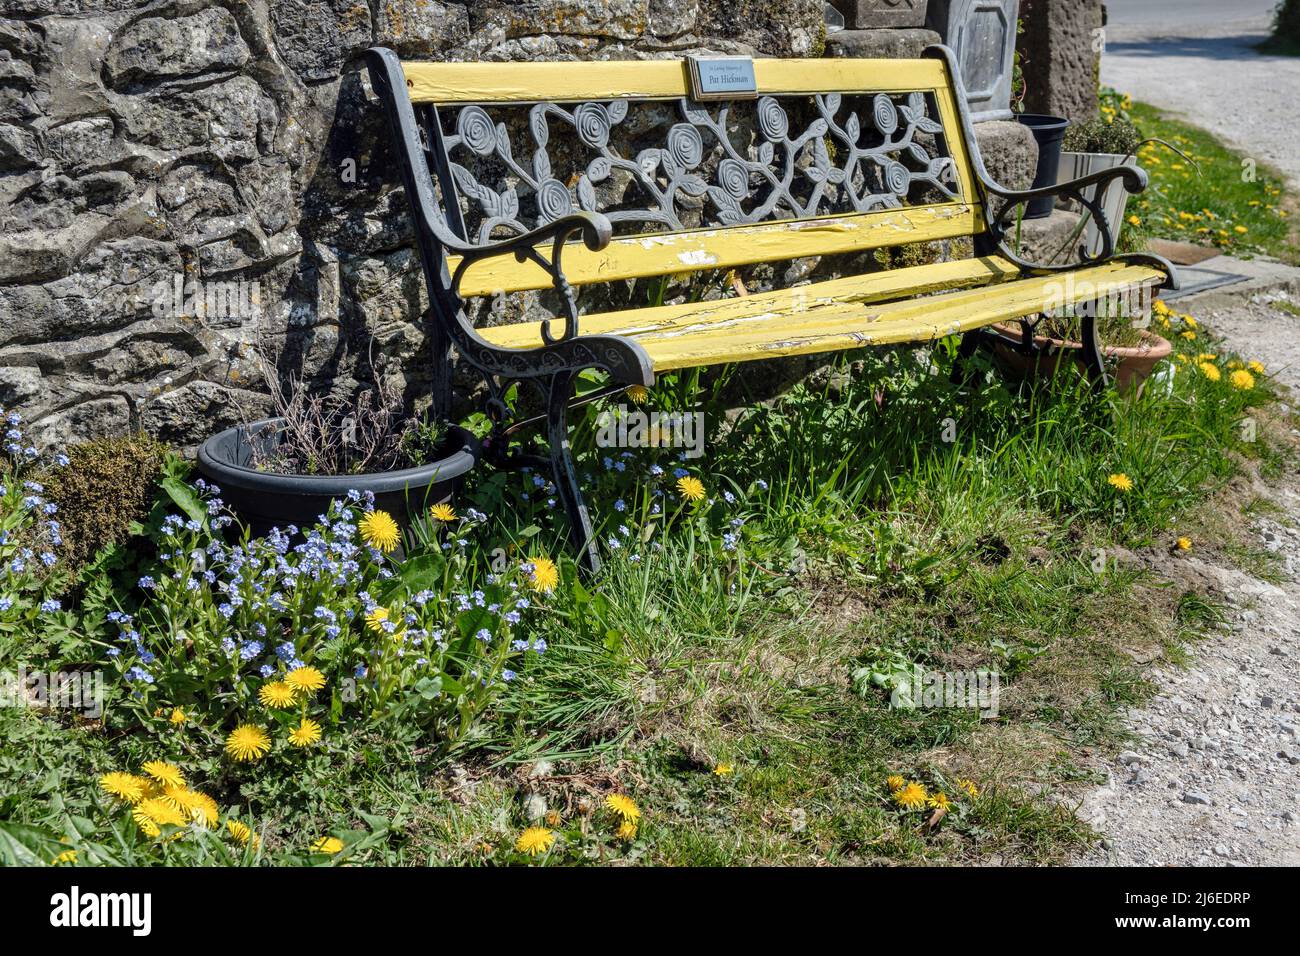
1130	365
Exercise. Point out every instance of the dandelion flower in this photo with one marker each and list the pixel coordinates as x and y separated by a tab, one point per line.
545	575
327	844
1120	482
535	840
177	717
376	618
968	787
379	530
442	512
626	831
277	693
939	801
691	488
1256	367
164	773
248	743
724	770
305	734
1241	379
637	393
1188	334
624	806
1210	371
159	812
1183	544
911	796
895	783
238	830
1134	221
67	856
203	809
124	786
306	679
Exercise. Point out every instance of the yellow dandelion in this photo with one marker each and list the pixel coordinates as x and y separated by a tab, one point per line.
327	844
67	856
203	809
376	618
239	831
379	530
277	694
911	796
1183	544
968	787
1190	322
545	575
177	717
1210	371
1159	307
248	743
939	801
164	773
1120	482
535	840
1242	230
1188	334
159	812
442	512
724	770
895	783
691	488
124	786
305	734
637	393
306	679
1241	379
1134	221
1256	367
624	806
626	831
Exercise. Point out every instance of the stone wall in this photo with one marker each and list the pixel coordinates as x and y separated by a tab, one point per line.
152	151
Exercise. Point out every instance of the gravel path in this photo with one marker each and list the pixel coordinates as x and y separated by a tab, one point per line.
1205	70
1214	772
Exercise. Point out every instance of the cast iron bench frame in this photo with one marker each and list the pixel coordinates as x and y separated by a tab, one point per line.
449	253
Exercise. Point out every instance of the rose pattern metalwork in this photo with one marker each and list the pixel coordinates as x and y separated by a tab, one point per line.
782	174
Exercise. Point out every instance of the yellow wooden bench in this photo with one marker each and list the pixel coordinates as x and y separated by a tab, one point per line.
541	176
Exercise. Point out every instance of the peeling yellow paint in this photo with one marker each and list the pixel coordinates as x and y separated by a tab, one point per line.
907	305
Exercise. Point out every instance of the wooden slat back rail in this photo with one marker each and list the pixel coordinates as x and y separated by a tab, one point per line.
703	203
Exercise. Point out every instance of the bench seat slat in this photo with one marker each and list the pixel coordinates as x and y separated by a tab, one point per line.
842	314
636	257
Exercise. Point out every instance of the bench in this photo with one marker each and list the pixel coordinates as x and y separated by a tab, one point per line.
554	176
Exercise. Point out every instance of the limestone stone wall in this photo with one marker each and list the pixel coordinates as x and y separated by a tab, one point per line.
177	176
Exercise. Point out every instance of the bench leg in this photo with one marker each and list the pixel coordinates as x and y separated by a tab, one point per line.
566	477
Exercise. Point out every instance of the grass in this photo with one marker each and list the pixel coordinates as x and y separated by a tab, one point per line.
725	701
1213	197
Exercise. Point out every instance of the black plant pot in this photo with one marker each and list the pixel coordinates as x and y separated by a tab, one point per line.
1049	131
264	500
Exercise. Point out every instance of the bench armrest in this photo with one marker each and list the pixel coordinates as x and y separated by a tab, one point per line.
596	232
1134	181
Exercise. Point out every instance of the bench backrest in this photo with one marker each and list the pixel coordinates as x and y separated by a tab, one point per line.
836	155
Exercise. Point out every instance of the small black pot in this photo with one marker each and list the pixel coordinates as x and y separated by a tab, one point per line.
264	500
1049	132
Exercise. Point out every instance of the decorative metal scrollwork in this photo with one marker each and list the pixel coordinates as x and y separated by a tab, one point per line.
856	162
